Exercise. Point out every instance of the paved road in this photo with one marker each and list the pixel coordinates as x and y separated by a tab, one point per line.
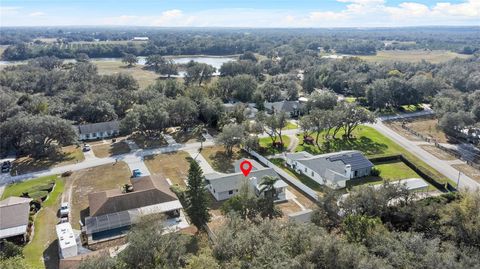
440	165
135	157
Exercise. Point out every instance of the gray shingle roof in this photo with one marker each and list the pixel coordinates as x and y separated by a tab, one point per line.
335	162
14	212
285	106
222	182
98	127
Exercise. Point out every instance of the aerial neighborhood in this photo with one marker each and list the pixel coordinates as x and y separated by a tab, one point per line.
130	142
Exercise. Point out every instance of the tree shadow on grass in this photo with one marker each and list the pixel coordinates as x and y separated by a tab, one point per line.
25	165
364	144
50	255
221	162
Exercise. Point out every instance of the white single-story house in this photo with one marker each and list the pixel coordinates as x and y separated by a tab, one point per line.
225	186
100	130
67	245
14	212
331	169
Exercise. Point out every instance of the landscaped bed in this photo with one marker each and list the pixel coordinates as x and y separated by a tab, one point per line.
99	178
173	166
68	155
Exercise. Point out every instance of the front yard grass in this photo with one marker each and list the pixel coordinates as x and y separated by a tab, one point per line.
290	126
110	149
372	144
67	155
219	160
173	166
96	179
266	145
145	142
41	251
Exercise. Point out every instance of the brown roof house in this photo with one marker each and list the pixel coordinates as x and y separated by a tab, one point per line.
112	212
14	212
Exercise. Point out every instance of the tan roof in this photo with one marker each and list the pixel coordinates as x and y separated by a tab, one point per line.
147	190
14	212
74	262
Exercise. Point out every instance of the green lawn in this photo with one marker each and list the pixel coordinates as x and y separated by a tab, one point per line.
395	170
17	189
372	144
43	243
302	178
266	144
290	126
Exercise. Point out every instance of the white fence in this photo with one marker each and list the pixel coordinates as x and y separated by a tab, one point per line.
290	179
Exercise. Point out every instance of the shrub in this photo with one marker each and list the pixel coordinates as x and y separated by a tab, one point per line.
375	172
67	173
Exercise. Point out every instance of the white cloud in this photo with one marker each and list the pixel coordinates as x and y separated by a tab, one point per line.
37	14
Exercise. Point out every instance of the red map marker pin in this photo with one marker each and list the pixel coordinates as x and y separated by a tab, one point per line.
246	167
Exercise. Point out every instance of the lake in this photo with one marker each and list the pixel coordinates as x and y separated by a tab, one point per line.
215	61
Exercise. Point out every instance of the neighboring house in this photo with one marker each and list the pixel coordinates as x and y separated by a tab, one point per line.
112	212
250	109
292	108
14	212
140	38
92	131
67	245
224	186
331	169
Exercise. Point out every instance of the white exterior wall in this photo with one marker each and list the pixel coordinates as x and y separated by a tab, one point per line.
219	196
302	169
98	135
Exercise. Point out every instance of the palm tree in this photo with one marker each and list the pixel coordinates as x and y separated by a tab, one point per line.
268	187
266	204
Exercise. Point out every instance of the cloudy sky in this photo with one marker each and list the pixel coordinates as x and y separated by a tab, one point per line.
240	13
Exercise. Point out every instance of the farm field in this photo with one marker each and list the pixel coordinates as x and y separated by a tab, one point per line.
144	77
413	56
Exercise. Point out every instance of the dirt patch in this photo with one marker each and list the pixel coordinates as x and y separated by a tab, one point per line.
468	170
442	155
428	128
107	150
397	127
100	178
173	166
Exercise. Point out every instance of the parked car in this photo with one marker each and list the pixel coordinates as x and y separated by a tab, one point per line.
64	209
86	148
136	173
6	166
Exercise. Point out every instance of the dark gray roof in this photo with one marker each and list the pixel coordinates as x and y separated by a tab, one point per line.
14	212
285	106
325	164
98	127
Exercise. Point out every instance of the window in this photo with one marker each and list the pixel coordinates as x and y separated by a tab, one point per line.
305	169
313	174
355	174
230	192
94	134
213	190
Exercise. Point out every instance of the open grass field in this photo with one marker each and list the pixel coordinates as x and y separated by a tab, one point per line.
428	127
99	178
266	144
413	56
43	244
110	149
372	144
173	166
219	160
68	155
144	77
